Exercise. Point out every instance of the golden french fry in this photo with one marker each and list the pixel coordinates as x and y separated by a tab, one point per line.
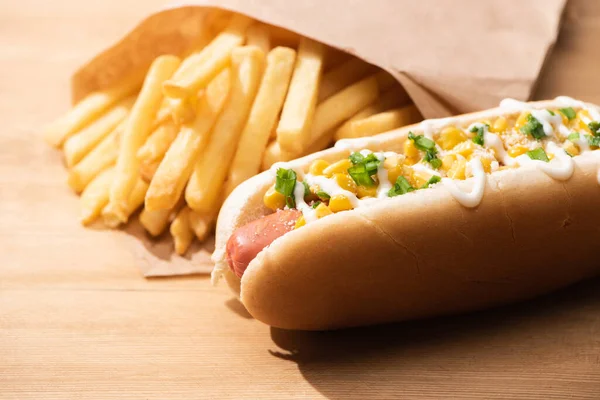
89	109
274	154
155	222
152	152
96	161
177	166
114	216
80	144
388	100
183	110
262	118
293	130
163	114
211	169
379	123
200	68
182	231
343	105
202	223
138	126
322	143
95	196
343	75
258	35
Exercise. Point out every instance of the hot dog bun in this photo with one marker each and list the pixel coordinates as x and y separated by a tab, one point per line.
422	254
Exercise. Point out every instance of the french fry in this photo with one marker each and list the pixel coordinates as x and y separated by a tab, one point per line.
80	144
274	154
114	216
152	152
258	35
155	222
88	109
263	116
138	127
293	130
343	105
202	224
343	75
183	110
382	122
200	68
95	196
182	231
210	171
96	161
164	113
177	166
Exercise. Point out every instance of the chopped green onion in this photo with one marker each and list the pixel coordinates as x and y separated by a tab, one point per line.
479	131
306	189
361	175
593	140
363	168
432	181
568	112
432	159
594	127
285	184
573	136
533	128
315	204
421	142
538	154
402	186
356	158
322	195
551	112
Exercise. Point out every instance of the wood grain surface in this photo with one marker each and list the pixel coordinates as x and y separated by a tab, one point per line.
78	322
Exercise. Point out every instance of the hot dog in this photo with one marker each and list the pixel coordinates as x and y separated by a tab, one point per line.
441	217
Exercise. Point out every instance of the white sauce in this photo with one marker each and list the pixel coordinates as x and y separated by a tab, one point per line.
561	167
473	198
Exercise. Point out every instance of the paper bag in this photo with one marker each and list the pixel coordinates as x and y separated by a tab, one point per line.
451	56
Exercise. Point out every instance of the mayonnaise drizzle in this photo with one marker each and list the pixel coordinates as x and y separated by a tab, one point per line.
561	167
473	198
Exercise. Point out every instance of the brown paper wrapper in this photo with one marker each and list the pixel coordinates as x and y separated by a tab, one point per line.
451	57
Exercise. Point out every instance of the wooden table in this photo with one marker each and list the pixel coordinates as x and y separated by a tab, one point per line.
78	321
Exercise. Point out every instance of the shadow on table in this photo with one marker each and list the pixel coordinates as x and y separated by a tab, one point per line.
468	355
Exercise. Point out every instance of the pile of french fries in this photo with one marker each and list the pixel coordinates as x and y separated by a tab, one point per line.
176	140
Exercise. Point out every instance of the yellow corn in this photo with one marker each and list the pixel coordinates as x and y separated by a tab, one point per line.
345	182
499	125
447	161
565	120
273	199
457	171
322	211
419	178
317	167
550	156
465	149
394	173
580	117
516	151
571	148
337	167
390	162
450	137
339	202
300	222
367	191
487	164
522	120
410	151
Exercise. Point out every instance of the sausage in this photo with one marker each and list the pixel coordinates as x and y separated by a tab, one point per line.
249	240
